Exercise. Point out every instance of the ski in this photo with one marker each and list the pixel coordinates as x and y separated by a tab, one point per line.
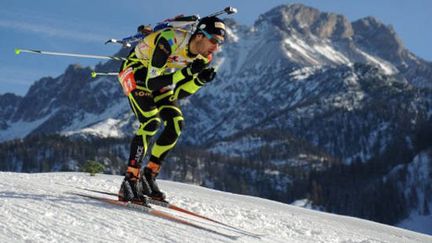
153	212
180	209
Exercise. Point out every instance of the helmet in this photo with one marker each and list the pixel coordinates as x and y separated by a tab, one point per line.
211	25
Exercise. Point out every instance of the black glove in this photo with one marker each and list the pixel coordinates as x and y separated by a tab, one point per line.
197	66
190	70
206	75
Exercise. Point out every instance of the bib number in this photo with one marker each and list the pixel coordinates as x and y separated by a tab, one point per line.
127	80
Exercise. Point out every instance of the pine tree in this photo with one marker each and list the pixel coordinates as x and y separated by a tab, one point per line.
92	167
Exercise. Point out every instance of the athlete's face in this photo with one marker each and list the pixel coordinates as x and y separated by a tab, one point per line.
207	44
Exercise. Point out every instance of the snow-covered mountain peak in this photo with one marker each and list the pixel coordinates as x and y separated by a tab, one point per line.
306	21
381	39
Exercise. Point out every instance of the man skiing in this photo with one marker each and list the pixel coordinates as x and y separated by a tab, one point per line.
167	65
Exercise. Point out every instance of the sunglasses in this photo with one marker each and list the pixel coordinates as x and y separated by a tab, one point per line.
212	38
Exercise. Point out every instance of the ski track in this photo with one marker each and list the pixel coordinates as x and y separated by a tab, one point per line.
38	208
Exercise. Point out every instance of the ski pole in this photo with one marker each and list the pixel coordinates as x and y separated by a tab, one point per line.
18	51
95	74
126	42
228	10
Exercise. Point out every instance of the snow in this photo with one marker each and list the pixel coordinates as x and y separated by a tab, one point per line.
102	125
106	125
302	73
315	52
385	66
330	53
420	218
38	208
300	47
20	129
417	222
104	129
233	35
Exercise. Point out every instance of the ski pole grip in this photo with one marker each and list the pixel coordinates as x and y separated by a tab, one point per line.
230	10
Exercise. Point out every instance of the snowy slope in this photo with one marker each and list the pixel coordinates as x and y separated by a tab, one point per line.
37	208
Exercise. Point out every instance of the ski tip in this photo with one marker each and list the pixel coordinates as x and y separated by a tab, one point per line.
93	74
17	51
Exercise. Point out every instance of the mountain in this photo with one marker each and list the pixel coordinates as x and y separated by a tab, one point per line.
305	105
43	211
8	102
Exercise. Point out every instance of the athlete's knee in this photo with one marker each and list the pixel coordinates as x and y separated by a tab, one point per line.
153	125
150	128
171	132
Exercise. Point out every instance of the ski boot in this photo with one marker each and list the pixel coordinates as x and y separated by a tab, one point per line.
130	189
149	185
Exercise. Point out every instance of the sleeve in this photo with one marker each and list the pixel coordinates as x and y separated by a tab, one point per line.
188	84
164	46
186	87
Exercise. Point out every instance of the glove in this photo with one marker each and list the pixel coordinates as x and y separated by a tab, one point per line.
189	71
197	66
206	75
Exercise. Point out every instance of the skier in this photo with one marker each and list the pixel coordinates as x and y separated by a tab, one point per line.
167	65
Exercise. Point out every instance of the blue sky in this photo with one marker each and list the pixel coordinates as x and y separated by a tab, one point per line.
83	26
